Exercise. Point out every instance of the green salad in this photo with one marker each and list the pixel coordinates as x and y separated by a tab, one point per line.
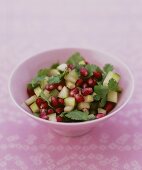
74	91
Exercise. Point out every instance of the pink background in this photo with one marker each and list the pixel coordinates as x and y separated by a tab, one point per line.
30	27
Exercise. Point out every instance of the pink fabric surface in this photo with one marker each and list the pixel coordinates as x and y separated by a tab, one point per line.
30	27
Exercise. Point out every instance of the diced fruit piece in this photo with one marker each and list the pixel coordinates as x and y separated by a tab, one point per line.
71	66
30	92
44	105
61	102
89	98
70	101
50	87
109	76
84	85
70	85
72	76
87	91
79	82
119	89
54	101
50	111
44	116
60	87
39	101
53	72
100	115
100	110
44	83
79	98
112	96
64	93
68	108
83	71
31	100
37	91
82	62
59	110
52	117
91	117
91	82
109	106
46	93
83	105
59	119
54	93
97	74
62	67
34	107
74	91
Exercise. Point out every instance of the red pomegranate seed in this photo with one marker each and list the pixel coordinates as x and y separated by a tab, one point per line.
97	74
61	101
79	82
54	101
50	111
59	110
44	105
87	91
84	85
30	92
71	66
59	119
43	111
60	87
86	62
43	116
109	106
39	101
79	98
74	91
50	87
91	82
99	115
83	71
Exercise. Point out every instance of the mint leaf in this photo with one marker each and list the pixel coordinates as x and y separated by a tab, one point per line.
54	66
91	68
108	67
113	85
101	90
75	59
103	101
43	72
77	115
97	97
54	79
36	81
44	97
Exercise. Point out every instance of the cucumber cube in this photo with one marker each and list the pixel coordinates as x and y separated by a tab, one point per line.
37	91
34	107
112	97
52	117
31	100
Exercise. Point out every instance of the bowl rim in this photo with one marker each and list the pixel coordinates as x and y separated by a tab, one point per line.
74	123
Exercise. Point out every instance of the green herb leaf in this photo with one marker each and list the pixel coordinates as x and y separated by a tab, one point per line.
91	68
75	59
101	90
54	79
97	97
113	85
77	115
36	81
108	67
103	101
44	97
36	114
54	66
43	72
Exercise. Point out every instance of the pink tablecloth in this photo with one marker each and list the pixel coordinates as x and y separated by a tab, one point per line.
29	27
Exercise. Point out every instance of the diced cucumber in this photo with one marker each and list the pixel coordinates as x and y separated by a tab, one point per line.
70	101
46	92
37	91
91	117
109	76
112	96
31	100
70	85
53	72
82	62
64	93
119	90
68	108
54	93
72	76
62	67
83	105
52	117
100	110
89	98
43	83
34	107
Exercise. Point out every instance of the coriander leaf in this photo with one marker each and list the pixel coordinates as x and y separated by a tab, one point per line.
36	81
43	96
97	97
103	101
91	68
113	85
75	59
55	65
108	67
54	79
77	115
43	72
101	90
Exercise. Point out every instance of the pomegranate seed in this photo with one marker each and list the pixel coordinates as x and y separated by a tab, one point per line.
74	91
84	71
91	82
61	101
39	101
50	87
43	116
86	62
99	115
30	92
60	87
44	105
59	110
54	101
71	66
84	85
59	119
43	111
50	111
79	82
97	74
109	106
87	91
79	98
